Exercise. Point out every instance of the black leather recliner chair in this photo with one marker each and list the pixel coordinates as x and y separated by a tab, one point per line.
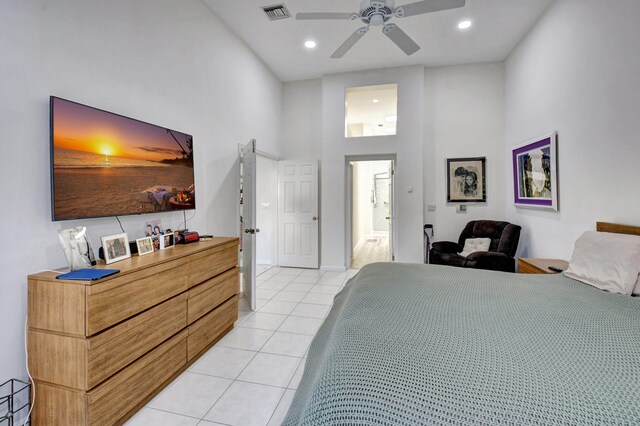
500	257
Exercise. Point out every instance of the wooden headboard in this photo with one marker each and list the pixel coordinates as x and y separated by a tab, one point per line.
617	229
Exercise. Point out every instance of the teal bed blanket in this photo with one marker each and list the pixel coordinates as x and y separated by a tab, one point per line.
427	344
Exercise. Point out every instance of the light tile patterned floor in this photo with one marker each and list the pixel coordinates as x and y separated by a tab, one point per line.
250	376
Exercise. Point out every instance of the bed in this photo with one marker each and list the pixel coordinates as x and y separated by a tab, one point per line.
408	344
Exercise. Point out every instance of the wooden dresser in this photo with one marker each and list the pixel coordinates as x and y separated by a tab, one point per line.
540	266
99	350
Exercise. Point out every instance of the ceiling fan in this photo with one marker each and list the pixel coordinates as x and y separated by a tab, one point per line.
378	13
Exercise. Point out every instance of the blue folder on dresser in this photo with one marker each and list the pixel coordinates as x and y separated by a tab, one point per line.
87	274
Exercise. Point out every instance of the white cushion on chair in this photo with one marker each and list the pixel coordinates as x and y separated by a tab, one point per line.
472	245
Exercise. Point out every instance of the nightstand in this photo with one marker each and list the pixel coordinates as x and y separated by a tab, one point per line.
540	266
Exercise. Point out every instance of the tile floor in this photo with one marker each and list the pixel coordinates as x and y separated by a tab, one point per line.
250	376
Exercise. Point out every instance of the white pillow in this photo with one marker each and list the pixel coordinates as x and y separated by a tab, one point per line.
608	261
475	244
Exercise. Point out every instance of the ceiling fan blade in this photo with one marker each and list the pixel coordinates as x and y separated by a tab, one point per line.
428	6
351	41
320	15
400	38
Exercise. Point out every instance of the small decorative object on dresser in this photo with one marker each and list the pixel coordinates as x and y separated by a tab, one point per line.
153	228
466	180
167	241
77	248
116	247
145	246
541	266
535	182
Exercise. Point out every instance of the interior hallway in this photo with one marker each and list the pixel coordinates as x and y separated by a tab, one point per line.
370	250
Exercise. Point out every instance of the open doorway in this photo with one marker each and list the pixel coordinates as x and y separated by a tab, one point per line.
371	184
266	213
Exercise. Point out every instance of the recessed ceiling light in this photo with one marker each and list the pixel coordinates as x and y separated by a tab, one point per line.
375	101
310	44
464	25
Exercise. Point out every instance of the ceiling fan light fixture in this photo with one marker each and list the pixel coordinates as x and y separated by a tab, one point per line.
378	13
464	25
310	44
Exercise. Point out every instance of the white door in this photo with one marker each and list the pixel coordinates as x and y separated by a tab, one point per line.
247	220
392	178
298	220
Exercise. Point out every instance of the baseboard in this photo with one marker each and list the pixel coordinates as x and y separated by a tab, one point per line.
333	268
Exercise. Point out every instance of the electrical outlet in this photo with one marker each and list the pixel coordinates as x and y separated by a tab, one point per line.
431	207
461	208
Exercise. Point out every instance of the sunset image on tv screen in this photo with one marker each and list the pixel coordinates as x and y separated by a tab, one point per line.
105	164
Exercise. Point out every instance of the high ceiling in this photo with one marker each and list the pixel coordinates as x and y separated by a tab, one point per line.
498	26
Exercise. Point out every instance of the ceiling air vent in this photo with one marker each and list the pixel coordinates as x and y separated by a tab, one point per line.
276	12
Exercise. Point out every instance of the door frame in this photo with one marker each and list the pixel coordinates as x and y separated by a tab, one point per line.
239	224
277	159
348	200
248	264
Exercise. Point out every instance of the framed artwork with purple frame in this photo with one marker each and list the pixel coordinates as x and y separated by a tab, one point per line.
535	182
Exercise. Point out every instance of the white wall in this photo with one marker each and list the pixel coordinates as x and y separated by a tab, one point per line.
165	62
407	145
443	113
577	73
302	120
463	117
266	211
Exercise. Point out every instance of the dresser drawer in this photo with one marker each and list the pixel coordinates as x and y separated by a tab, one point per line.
84	363
212	293
211	326
118	395
58	406
203	266
119	346
109	402
115	300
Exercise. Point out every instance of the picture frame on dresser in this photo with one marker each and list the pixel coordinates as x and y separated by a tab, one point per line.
167	240
145	246
535	174
116	247
77	247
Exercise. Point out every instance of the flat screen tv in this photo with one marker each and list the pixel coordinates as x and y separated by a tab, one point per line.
105	164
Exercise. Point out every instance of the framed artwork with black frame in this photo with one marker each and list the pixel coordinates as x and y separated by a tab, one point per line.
467	180
535	176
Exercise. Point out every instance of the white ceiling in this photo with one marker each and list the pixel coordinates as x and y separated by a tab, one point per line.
498	26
